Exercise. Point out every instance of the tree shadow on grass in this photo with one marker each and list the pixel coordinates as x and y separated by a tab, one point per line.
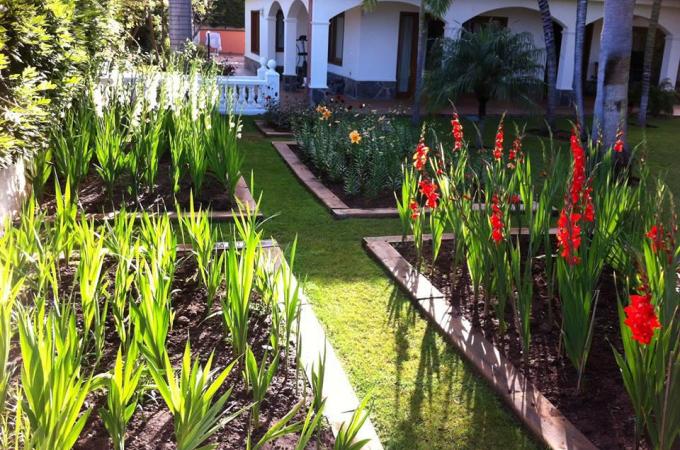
445	392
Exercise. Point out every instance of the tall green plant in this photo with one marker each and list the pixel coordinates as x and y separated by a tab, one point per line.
92	287
54	390
196	416
258	378
72	145
9	289
109	149
122	394
225	159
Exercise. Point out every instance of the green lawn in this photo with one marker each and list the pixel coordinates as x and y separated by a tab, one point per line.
425	395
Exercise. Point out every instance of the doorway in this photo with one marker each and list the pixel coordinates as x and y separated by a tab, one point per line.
407	54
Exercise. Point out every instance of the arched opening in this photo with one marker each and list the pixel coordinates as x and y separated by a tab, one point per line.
591	52
518	20
275	35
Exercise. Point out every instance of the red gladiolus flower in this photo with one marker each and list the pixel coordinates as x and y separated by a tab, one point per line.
641	318
413	206
429	190
420	156
589	211
498	146
569	236
515	199
516	150
457	131
496	219
579	176
618	145
656	235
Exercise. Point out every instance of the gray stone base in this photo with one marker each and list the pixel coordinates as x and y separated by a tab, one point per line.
565	97
369	90
289	82
319	95
250	64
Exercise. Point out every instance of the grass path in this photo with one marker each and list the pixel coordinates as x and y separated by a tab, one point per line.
425	395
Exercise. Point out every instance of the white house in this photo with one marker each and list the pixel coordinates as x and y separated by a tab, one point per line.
371	54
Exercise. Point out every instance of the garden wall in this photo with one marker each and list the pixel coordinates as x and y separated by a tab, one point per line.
233	40
13	189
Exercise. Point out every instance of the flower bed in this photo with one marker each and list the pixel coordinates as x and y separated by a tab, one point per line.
554	306
150	142
115	334
357	156
602	410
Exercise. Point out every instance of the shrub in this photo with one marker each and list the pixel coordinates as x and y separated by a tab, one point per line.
281	116
369	164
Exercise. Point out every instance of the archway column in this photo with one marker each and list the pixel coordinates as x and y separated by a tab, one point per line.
289	46
268	38
319	55
671	59
565	68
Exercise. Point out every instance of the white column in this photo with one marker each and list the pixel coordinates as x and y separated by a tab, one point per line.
671	59
565	68
452	30
270	43
289	46
319	55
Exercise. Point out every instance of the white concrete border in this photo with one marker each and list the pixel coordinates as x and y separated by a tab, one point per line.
341	400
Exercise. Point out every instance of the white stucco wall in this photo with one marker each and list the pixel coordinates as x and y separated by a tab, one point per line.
371	38
13	190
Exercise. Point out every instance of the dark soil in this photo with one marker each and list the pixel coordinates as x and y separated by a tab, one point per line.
602	410
151	426
93	197
382	200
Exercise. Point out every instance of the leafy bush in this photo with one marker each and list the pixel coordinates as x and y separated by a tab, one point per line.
46	50
662	97
281	116
369	164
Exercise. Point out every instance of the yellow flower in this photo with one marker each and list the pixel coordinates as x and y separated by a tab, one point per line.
355	137
326	114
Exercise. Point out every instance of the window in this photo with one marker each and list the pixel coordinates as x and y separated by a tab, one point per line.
255	32
279	31
336	38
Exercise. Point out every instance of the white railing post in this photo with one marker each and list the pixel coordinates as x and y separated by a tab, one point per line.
263	68
272	82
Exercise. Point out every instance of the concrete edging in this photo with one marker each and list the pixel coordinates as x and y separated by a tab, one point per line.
269	132
332	202
535	411
341	400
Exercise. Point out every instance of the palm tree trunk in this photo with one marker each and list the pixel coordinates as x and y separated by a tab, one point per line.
180	19
611	103
420	63
647	63
581	10
551	60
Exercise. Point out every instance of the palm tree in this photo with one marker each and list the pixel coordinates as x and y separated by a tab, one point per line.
611	102
647	62
434	8
551	60
581	11
491	64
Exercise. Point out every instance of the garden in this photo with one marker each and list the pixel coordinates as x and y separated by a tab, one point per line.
175	280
